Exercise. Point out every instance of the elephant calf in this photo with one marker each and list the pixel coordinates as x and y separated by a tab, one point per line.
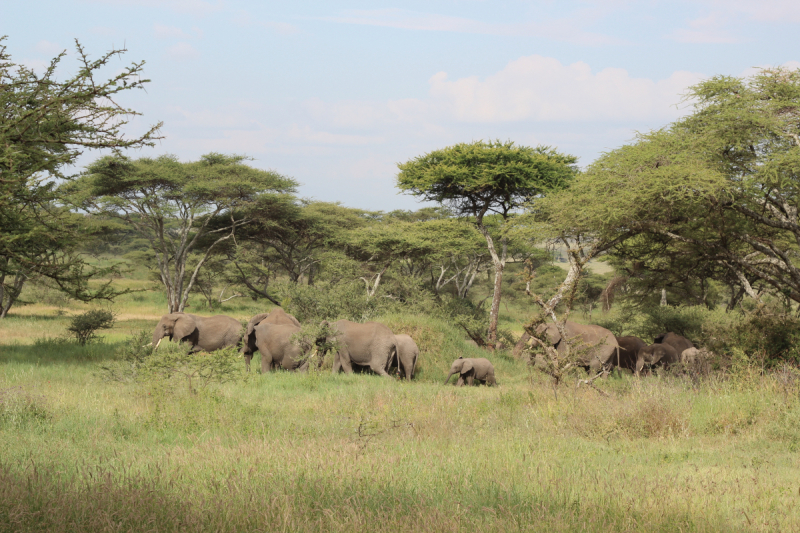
470	369
656	355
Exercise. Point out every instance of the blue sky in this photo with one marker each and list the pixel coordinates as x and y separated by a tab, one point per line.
336	93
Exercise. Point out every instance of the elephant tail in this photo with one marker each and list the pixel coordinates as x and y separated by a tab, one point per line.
414	365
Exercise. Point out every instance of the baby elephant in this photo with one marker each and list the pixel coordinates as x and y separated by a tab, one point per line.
656	355
471	369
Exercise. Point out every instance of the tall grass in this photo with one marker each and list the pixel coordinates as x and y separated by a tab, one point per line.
321	452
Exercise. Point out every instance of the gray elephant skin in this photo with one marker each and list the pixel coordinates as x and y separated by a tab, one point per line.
202	333
676	341
407	355
276	316
629	352
469	369
274	343
602	348
656	355
370	344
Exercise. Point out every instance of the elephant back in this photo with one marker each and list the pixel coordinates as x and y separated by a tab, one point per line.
601	342
678	342
275	316
219	331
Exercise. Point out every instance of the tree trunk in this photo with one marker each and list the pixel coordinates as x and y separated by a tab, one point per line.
494	312
663	297
499	264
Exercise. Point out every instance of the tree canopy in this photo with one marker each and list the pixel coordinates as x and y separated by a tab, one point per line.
718	187
45	125
172	204
480	178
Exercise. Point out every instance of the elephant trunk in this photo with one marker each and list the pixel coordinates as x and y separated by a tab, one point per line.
448	376
158	336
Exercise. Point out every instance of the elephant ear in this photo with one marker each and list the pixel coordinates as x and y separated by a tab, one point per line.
184	327
466	367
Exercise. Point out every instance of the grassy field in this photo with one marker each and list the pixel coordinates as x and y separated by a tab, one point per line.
318	452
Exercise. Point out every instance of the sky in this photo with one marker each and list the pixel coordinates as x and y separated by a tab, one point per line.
335	93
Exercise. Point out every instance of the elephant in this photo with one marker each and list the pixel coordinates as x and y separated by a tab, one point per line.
470	369
277	351
370	344
656	355
203	333
276	316
407	355
676	341
628	351
602	345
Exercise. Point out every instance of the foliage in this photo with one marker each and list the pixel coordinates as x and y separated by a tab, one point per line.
85	325
198	369
45	125
480	179
130	358
173	204
713	195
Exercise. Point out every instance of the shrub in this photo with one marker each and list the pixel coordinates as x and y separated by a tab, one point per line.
198	369
131	357
85	325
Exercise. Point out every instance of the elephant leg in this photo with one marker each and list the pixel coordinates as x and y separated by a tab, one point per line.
266	361
470	380
460	382
378	369
344	361
247	358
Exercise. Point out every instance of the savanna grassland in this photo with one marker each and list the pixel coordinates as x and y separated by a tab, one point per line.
322	452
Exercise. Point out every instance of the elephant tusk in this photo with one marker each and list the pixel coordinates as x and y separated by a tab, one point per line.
159	342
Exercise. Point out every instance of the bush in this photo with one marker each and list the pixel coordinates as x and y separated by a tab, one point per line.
131	358
198	369
85	325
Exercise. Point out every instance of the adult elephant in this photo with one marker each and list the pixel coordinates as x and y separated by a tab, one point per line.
599	350
656	355
470	369
629	351
407	355
274	342
370	344
203	333
276	316
678	342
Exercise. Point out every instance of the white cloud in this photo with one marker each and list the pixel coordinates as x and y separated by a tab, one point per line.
48	48
542	89
565	29
169	32
104	31
182	51
307	134
708	29
787	11
529	89
199	8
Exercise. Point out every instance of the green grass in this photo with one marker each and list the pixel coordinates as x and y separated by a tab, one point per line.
361	453
318	452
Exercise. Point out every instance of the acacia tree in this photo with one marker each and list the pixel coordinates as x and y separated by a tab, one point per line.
172	204
483	178
45	125
719	187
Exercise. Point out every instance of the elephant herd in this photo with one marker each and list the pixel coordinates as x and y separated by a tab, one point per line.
370	345
602	351
375	347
